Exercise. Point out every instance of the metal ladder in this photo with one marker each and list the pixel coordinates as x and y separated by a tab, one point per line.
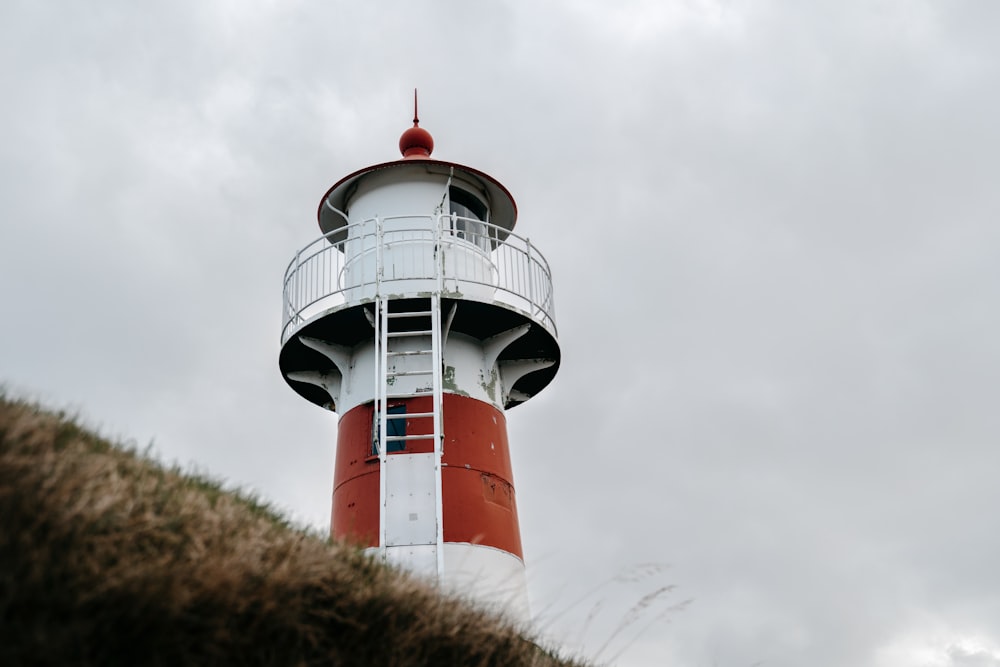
411	509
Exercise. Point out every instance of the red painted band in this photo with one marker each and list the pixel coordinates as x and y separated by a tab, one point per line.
478	492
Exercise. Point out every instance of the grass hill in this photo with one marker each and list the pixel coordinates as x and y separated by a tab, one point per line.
107	558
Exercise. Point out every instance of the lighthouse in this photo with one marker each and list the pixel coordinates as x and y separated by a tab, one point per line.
421	318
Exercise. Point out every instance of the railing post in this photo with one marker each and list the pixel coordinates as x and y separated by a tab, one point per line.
531	277
295	288
378	256
439	253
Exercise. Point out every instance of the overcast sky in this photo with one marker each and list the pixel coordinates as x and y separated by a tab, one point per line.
774	228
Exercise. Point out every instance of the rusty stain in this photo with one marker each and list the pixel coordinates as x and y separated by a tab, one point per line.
448	381
490	387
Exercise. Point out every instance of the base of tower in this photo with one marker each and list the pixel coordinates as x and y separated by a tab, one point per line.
489	578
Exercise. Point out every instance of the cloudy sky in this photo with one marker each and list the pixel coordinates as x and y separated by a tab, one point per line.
774	228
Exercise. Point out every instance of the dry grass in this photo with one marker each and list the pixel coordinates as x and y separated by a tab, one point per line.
109	559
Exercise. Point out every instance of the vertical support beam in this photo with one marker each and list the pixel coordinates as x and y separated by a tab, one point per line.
437	354
447	326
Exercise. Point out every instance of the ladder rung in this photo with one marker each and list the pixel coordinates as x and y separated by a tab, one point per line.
404	334
398	438
412	394
415	313
410	415
409	353
396	374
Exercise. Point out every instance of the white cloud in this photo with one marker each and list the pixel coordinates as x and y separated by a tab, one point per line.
939	647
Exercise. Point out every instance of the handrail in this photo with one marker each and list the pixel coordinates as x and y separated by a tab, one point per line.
400	253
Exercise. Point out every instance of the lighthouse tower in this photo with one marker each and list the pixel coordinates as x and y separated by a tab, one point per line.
421	318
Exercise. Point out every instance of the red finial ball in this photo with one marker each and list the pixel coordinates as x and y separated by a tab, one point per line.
416	142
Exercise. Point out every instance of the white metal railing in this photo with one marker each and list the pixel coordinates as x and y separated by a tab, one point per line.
478	260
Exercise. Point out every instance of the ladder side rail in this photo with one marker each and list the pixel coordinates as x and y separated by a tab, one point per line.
381	331
437	360
383	387
381	407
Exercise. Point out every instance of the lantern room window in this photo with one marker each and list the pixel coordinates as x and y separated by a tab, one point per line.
469	213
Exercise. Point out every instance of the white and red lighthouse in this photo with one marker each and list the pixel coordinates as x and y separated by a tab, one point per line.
421	318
